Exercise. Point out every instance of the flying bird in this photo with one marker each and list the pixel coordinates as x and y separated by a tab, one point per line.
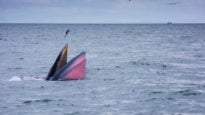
66	33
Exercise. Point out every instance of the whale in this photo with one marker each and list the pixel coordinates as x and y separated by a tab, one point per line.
61	70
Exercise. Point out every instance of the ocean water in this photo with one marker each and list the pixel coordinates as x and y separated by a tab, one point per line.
131	69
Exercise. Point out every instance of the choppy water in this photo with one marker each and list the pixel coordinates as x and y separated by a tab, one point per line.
131	69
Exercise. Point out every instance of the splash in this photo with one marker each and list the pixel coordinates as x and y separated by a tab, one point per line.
17	78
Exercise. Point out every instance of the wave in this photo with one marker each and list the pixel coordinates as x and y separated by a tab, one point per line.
17	78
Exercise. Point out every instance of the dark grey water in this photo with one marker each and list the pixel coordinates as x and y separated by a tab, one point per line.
131	69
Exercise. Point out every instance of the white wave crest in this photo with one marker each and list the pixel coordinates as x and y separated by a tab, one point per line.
16	78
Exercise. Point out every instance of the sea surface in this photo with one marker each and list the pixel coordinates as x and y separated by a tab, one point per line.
132	69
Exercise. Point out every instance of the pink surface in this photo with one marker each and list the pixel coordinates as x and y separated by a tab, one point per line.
77	69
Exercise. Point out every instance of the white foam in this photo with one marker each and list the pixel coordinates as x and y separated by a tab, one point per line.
32	78
15	78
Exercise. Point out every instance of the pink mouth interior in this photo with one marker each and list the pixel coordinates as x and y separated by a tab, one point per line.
77	69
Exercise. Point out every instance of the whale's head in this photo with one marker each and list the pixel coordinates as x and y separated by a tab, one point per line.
60	61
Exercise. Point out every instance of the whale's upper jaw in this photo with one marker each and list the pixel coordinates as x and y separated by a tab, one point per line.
60	61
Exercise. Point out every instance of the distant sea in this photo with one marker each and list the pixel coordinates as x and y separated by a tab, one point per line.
131	69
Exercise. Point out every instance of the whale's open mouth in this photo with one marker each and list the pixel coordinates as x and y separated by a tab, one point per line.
74	69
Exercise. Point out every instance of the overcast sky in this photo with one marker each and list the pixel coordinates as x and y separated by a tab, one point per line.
102	11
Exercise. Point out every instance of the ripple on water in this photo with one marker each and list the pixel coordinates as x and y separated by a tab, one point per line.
153	64
109	79
2	39
21	58
17	52
171	99
186	36
2	53
157	92
15	68
37	101
72	113
136	63
188	92
151	99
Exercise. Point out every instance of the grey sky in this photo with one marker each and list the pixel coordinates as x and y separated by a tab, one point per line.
102	11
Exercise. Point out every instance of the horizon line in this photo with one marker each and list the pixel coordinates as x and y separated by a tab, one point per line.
102	23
